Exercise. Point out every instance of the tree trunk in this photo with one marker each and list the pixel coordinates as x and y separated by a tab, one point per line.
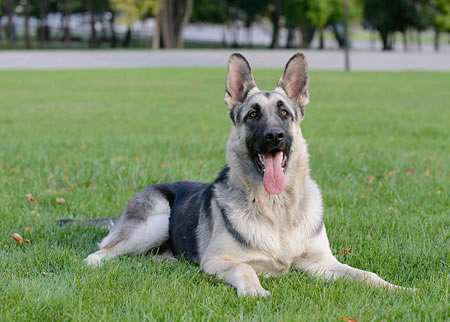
275	17
67	16
157	32
290	38
175	15
93	36
27	26
321	40
339	37
41	32
307	34
436	39
10	32
385	39
405	40
112	30
127	40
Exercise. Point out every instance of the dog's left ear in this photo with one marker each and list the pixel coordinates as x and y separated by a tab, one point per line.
295	81
239	81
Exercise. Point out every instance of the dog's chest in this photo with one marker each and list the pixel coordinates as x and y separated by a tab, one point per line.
275	244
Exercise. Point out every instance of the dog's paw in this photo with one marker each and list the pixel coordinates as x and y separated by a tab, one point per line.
93	260
252	291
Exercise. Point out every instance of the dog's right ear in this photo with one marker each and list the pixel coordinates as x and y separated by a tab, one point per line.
239	81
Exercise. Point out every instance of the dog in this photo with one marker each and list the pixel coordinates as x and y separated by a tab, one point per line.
262	215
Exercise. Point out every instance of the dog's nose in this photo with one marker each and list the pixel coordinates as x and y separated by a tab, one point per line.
274	135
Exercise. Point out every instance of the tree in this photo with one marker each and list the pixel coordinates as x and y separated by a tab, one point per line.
388	16
336	18
275	15
318	15
174	15
441	19
300	14
132	11
10	6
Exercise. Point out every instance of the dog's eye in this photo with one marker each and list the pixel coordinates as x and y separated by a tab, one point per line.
284	113
252	115
279	104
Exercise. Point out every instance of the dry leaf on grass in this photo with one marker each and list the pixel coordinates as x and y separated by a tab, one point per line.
27	241
344	251
392	172
426	173
60	200
33	200
349	319
410	171
371	179
18	238
28	229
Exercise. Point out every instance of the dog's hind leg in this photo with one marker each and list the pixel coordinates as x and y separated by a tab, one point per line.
144	225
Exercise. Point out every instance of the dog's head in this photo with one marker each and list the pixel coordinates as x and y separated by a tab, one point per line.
266	123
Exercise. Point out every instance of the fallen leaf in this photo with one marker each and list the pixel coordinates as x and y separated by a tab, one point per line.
18	238
132	187
136	159
349	319
410	171
206	128
371	179
164	165
60	200
28	229
33	200
430	158
392	172
344	251
27	241
427	173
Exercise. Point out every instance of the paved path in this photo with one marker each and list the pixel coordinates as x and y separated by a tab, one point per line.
327	60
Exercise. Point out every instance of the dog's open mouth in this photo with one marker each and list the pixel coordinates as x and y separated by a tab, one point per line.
272	166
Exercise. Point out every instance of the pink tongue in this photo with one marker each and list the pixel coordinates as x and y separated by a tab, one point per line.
274	181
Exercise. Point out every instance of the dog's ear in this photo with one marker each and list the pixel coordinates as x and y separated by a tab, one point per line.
295	80
239	81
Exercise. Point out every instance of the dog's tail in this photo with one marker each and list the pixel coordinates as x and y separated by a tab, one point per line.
106	223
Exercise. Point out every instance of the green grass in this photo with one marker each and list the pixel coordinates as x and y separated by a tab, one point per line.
97	137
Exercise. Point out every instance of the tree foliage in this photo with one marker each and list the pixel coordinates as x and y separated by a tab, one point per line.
134	10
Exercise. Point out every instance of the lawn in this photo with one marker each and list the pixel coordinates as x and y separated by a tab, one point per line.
379	151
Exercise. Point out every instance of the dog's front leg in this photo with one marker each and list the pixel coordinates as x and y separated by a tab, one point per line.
239	275
320	262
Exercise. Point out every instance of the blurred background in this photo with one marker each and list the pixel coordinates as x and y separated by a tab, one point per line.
373	25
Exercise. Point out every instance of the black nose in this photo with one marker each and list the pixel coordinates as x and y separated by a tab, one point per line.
274	135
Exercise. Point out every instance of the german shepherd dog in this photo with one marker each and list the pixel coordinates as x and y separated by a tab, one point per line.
262	215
